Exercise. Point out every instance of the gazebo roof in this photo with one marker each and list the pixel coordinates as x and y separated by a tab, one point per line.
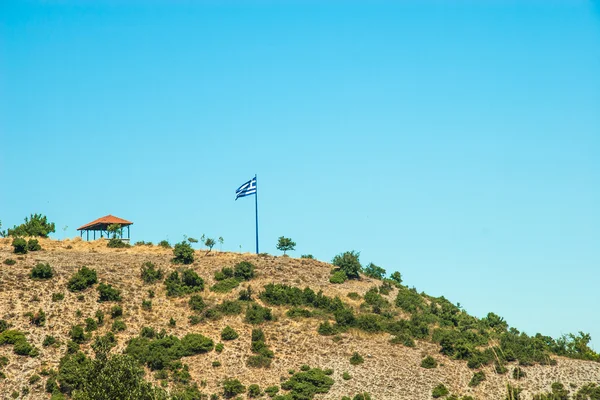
103	222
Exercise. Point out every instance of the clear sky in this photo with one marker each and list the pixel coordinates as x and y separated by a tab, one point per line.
455	142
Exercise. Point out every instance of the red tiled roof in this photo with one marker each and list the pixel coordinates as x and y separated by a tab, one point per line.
106	220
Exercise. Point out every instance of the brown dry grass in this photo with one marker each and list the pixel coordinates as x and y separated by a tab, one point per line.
389	371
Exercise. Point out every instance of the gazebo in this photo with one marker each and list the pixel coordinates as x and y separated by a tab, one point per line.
102	224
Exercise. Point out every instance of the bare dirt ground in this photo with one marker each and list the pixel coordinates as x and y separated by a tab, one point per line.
389	372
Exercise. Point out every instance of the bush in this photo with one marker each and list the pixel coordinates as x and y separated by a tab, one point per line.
373	271
196	303
439	391
90	324
409	300
306	384
33	245
164	244
116	311
338	277
117	243
296	312
118	325
229	333
254	391
243	271
41	271
354	296
184	254
307	256
263	355
9	261
429	362
396	277
48	341
225	286
147	305
232	387
219	347
477	378
19	246
83	278
108	293
35	225
256	314
326	329
150	274
189	283
37	319
348	263
346	376
356	359
76	334
194	343
272	390
518	373
362	396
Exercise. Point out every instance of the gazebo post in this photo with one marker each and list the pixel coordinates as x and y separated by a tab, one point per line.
94	234
87	235
127	231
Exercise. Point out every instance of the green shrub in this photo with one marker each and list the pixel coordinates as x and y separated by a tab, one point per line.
118	325
147	305
254	391
307	256
150	274
354	296
346	376
228	333
244	271
33	245
245	294
116	311
9	261
518	373
219	347
35	225
77	334
196	303
225	286
348	263
194	343
48	341
41	271
58	296
477	378
439	391
296	312
326	329
429	362
82	279
362	396
396	277
164	244
117	243
19	246
232	387
256	314
108	293
183	253
224	273
228	307
338	277
262	354
272	390
409	300
356	359
306	384
90	324
216	363
100	317
190	282
373	271
285	244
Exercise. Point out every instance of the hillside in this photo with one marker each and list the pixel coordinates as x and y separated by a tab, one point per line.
391	368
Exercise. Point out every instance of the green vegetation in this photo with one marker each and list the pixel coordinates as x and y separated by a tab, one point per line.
9	261
356	359
285	244
117	243
338	277
38	318
429	362
19	246
256	314
232	387
560	393
262	354
210	243
254	391
183	253
225	286
373	271
35	225
164	244
229	333
196	303
348	263
439	391
150	274
108	293
307	256
477	378
41	272
19	342
82	279
58	296
190	282
33	245
307	384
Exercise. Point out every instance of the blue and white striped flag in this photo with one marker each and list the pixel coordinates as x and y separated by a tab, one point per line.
246	189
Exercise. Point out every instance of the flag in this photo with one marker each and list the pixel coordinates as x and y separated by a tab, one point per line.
246	189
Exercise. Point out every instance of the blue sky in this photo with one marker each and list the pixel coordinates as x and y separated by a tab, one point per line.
457	143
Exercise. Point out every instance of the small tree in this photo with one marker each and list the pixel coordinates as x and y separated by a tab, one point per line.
221	240
285	244
114	230
19	245
184	254
348	263
209	243
35	225
192	240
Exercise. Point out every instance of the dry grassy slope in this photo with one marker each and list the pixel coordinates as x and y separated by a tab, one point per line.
389	372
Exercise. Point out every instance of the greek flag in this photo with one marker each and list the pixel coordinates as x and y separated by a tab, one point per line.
246	189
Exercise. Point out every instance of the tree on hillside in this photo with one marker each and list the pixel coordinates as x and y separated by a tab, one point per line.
209	242
114	230
374	271
348	263
221	243
35	225
285	244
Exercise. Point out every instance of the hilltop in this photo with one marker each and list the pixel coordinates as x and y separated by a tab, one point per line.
409	342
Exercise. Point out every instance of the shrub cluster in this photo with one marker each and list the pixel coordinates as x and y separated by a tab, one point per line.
256	314
348	263
307	384
150	274
232	387
262	354
82	279
117	243
230	278
190	282
19	246
183	253
20	344
38	318
429	362
41	271
33	245
35	225
373	271
228	333
108	293
161	351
